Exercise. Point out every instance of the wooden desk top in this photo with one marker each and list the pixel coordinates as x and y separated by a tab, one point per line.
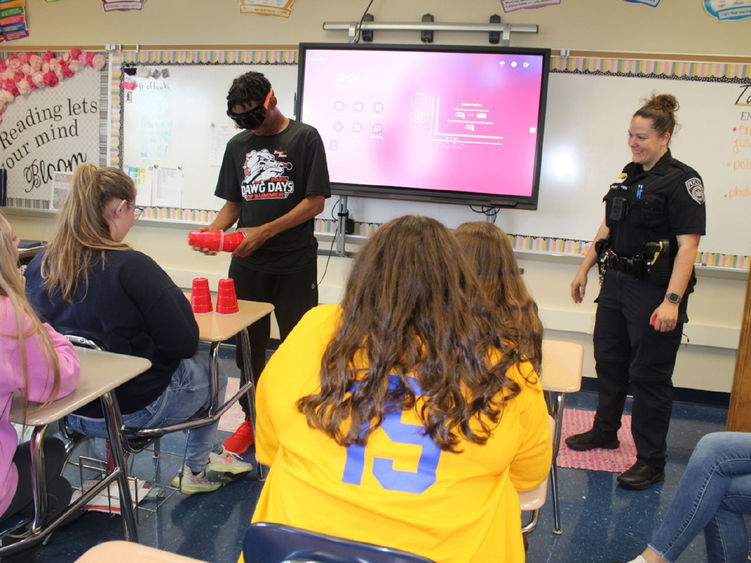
213	327
100	372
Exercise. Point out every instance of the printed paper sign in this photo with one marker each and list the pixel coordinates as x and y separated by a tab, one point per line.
652	3
281	8
728	9
122	5
513	5
62	182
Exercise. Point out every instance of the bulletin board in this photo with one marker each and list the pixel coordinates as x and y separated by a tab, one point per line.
53	129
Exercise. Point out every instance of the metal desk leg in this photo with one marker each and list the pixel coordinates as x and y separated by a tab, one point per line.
247	376
214	374
114	421
556	403
38	479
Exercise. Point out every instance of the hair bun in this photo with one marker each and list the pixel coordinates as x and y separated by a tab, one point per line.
663	102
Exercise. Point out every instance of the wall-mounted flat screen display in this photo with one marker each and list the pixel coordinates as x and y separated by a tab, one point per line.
454	124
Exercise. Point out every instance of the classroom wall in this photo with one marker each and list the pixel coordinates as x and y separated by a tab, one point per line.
675	26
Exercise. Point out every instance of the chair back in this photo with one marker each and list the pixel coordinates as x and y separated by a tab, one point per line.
562	364
276	543
534	499
84	338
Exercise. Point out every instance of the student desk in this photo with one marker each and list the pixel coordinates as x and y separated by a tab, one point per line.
101	373
215	329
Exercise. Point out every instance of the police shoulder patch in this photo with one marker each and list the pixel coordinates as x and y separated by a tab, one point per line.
695	189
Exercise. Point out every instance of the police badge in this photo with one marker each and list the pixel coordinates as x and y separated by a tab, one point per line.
695	189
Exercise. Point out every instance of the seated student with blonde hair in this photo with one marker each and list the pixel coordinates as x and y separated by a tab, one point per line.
401	417
43	366
88	279
488	250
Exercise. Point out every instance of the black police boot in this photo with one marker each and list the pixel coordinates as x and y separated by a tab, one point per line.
591	440
641	476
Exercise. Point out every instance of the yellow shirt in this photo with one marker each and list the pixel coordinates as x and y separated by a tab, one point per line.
400	489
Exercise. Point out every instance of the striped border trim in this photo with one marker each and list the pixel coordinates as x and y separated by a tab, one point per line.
658	68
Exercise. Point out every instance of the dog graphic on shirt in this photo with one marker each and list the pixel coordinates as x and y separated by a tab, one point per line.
265	177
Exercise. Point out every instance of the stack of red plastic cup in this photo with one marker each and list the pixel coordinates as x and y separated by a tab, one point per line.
226	298
200	296
215	240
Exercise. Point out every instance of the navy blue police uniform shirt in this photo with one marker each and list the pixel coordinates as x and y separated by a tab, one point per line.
663	202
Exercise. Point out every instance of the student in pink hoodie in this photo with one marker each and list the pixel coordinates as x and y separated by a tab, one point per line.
43	366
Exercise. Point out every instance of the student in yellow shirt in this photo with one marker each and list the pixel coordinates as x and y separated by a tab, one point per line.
488	251
401	417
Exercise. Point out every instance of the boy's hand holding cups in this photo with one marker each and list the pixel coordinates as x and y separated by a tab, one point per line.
212	241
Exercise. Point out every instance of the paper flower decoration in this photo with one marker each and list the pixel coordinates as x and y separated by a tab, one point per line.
21	73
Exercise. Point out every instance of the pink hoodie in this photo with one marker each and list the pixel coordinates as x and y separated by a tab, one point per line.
39	384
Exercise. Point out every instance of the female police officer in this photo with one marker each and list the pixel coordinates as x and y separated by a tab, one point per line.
647	244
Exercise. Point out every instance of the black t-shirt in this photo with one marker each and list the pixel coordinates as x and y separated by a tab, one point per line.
657	204
270	175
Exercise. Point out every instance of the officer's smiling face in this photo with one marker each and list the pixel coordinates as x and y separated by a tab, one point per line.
647	146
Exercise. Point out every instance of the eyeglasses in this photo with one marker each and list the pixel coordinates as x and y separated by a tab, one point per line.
137	209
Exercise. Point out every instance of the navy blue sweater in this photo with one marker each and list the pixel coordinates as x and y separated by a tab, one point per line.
136	309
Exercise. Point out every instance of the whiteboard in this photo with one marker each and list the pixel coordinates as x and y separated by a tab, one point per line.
175	128
180	123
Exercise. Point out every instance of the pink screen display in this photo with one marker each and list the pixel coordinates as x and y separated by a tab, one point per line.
464	122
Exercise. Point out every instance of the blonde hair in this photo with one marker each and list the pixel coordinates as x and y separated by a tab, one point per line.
83	230
488	250
12	287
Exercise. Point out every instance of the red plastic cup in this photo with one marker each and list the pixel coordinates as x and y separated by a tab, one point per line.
232	241
215	240
200	296
226	298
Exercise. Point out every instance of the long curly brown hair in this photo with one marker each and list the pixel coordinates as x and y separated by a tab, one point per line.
488	250
412	308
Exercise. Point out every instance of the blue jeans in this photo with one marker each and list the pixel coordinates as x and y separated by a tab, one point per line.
188	392
713	494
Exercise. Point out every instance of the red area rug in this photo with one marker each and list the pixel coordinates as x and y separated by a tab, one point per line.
615	461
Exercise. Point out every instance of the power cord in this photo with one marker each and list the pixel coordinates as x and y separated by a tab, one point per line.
333	240
490	211
359	26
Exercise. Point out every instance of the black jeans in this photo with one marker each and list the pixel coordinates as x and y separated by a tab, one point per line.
292	295
58	489
629	350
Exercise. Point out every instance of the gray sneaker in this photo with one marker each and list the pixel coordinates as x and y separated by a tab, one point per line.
191	484
226	462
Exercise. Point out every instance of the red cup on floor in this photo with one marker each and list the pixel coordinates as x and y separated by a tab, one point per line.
200	296
226	298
